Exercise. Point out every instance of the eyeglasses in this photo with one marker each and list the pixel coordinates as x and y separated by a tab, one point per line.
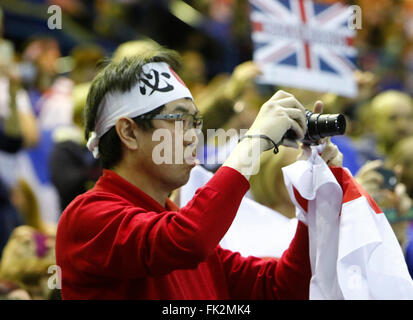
189	120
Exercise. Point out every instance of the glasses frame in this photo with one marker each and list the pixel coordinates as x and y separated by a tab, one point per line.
197	121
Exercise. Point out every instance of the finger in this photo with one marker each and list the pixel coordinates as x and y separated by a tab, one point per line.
373	177
298	116
337	161
245	72
250	70
375	164
297	129
400	189
328	145
332	155
370	165
291	102
370	187
280	94
323	141
247	64
255	68
318	107
329	152
290	143
305	152
252	74
398	170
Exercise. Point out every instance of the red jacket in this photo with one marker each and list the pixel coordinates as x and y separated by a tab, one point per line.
116	242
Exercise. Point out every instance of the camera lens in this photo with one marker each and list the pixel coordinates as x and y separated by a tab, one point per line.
320	126
323	125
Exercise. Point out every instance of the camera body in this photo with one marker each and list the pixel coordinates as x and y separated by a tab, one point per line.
389	178
320	126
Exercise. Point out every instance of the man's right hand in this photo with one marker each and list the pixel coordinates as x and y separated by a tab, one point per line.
279	114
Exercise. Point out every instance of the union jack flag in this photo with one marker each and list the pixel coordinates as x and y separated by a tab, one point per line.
304	44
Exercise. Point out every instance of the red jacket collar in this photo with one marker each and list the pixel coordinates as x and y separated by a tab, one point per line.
114	183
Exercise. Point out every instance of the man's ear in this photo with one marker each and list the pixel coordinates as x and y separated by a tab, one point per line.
126	130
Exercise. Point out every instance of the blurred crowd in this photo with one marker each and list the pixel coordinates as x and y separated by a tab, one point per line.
44	162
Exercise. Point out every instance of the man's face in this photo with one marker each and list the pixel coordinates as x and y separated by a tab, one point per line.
168	152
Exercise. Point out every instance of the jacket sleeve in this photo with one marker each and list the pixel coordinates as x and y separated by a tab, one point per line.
111	237
256	278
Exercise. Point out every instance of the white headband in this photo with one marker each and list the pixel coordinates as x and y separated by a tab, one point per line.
158	85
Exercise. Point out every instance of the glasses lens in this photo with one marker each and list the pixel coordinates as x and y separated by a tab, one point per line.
190	121
186	121
198	123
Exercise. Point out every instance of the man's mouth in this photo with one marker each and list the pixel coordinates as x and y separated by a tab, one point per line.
191	158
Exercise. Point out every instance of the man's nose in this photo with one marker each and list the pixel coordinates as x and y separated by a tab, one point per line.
191	137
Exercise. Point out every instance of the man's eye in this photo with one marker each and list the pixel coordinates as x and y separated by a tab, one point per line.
186	121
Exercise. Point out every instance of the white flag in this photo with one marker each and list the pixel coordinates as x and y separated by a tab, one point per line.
354	252
256	230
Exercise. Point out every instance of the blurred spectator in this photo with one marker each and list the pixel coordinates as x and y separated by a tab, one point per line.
194	71
57	107
73	168
26	259
85	60
21	118
387	198
381	41
132	48
28	163
11	136
401	159
217	100
12	291
30	249
14	115
228	24
12	94
39	67
109	17
25	201
9	216
51	96
386	120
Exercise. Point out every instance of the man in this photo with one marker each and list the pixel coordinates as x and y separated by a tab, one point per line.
124	239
